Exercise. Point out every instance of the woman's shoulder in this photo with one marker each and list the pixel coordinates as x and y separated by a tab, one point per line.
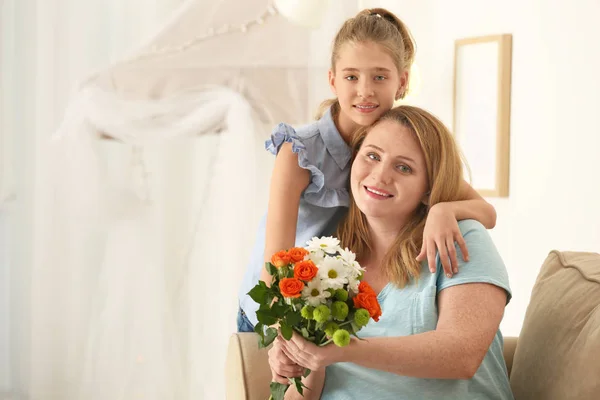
471	226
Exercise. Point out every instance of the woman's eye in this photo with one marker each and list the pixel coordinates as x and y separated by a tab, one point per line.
373	156
405	169
380	78
351	78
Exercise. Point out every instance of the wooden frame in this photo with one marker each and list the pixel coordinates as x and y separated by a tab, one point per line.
481	114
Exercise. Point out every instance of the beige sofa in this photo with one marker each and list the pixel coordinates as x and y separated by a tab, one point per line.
555	357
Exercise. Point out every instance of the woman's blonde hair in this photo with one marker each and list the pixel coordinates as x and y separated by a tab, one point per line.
380	26
444	176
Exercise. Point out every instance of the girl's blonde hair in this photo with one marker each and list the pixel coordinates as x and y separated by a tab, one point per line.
380	26
444	175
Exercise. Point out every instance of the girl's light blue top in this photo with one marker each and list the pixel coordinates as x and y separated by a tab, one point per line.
322	151
413	310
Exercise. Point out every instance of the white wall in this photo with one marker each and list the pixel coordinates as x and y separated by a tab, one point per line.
555	130
57	44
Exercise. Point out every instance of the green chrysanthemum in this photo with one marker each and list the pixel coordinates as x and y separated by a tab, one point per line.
330	328
339	310
307	312
341	337
321	313
361	317
341	294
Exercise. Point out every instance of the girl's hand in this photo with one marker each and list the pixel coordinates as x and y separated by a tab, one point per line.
308	354
441	232
282	367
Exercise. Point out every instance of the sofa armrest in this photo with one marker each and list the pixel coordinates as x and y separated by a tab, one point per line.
510	344
247	372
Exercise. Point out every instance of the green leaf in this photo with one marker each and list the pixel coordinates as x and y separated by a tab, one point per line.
259	292
271	269
305	333
286	330
266	317
306	372
270	336
293	318
278	390
298	383
279	309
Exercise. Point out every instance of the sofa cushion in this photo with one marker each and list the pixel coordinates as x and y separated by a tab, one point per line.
558	352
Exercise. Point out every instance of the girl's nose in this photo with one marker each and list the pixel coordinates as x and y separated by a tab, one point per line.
365	90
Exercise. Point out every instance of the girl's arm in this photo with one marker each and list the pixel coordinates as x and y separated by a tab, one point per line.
442	231
469	316
473	207
288	181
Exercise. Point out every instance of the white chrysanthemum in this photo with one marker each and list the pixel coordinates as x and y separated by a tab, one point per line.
333	273
316	256
349	259
328	244
356	269
348	256
314	293
353	283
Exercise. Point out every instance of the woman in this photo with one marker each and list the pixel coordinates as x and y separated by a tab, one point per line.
437	337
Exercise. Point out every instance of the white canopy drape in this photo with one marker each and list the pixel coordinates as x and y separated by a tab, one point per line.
141	211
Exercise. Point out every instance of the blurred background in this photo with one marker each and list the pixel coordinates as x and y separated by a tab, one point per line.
135	294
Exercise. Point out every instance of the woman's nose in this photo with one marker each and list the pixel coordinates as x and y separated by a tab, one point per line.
382	174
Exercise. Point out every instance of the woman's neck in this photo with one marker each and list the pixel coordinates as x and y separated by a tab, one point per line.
383	236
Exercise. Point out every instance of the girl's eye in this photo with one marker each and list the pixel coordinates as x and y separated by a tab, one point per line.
373	156
351	78
405	169
380	78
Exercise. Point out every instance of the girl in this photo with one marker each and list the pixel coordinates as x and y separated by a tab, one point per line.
436	337
370	63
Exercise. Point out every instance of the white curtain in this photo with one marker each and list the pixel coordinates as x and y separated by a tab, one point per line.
126	255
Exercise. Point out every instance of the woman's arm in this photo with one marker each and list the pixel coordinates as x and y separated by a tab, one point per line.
314	387
288	181
469	316
282	367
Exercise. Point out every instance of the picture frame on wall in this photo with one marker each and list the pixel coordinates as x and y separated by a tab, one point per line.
482	82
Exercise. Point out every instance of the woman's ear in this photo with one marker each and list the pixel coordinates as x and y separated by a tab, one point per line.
425	199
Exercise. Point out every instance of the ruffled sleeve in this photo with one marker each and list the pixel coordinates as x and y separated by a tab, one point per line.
316	193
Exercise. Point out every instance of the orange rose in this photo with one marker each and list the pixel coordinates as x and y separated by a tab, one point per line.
364	287
369	302
297	254
291	287
305	270
280	259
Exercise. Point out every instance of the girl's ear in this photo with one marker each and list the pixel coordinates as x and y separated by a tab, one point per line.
331	79
401	92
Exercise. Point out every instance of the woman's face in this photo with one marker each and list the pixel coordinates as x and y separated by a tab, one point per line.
389	176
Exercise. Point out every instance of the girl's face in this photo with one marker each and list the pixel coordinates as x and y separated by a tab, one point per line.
389	175
366	83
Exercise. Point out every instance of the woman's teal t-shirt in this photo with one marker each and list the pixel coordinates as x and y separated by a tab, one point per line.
413	310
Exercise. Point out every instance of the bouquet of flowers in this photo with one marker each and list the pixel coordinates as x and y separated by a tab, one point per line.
316	291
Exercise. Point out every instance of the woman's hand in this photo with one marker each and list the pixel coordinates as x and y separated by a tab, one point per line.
307	354
282	367
441	232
